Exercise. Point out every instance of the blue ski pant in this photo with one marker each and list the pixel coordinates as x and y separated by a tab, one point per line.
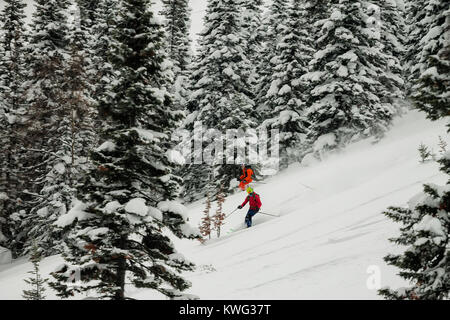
249	216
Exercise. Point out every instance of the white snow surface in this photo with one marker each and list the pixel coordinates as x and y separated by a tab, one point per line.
108	146
77	212
173	206
137	206
430	224
330	237
5	256
325	140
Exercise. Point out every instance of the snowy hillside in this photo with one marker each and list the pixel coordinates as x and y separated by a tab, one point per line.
330	236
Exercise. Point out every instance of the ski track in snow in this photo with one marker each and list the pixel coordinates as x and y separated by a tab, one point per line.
335	228
330	230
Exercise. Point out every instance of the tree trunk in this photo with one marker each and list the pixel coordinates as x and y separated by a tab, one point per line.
121	272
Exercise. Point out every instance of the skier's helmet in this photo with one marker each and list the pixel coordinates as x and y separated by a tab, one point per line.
249	190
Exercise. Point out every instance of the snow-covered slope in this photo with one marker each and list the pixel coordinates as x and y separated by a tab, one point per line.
330	237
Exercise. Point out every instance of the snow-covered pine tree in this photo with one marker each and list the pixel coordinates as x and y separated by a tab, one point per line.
85	37
253	30
58	90
426	221
80	87
417	27
12	77
221	93
286	96
87	18
318	13
273	26
424	152
36	281
430	90
102	42
77	137
129	196
177	25
425	233
393	40
41	125
344	101
87	13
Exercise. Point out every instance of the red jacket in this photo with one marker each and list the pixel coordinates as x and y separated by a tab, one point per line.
255	202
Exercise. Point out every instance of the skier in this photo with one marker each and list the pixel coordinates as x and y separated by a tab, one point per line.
255	205
246	176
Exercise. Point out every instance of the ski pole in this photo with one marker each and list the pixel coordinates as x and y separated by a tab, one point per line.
231	213
268	214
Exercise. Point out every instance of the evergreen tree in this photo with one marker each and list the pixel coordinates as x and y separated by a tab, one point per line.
287	94
253	30
417	27
274	26
41	124
102	42
129	194
12	77
424	153
392	39
430	90
319	14
344	101
77	136
80	87
425	232
221	92
58	116
79	90
36	281
88	18
426	221
177	25
85	39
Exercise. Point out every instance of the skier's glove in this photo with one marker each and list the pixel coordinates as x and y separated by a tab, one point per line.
239	207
